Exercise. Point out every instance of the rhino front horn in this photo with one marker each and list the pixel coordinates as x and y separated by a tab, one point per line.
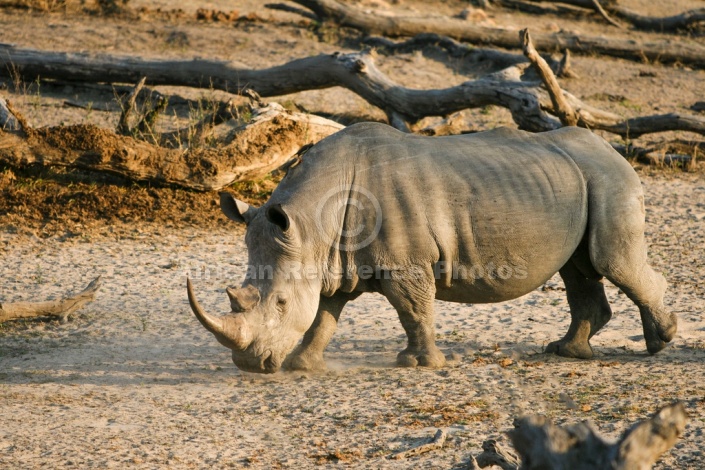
231	331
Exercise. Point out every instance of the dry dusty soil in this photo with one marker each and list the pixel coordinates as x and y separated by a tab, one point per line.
133	380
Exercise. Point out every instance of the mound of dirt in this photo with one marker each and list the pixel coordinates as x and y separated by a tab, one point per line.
51	202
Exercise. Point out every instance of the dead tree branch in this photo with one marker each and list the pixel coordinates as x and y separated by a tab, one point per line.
563	110
405	26
681	153
357	72
541	444
498	59
436	443
53	308
682	21
604	14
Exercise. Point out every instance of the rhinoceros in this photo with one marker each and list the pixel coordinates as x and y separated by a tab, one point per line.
477	218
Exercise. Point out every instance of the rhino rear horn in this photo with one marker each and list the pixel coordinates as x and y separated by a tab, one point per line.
231	331
243	299
236	210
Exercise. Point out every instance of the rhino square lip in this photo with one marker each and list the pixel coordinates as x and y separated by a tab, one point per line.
266	364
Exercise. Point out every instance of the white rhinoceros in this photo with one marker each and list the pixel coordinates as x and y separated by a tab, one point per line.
475	218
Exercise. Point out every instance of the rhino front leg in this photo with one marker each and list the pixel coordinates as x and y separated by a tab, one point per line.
308	356
412	296
589	311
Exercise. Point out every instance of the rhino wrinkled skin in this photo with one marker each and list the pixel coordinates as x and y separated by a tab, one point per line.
477	218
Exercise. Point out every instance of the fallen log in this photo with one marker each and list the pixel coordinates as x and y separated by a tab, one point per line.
527	101
681	21
404	26
543	445
53	308
355	71
249	151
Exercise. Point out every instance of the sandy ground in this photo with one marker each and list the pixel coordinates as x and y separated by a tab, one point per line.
134	381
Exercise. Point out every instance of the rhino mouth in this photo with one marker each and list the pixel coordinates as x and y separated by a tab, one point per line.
267	363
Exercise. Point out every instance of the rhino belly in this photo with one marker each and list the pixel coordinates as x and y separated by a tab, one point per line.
511	234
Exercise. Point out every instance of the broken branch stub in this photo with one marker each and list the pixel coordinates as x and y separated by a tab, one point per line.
53	308
562	108
541	444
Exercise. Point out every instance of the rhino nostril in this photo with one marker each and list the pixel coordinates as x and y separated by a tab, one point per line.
268	364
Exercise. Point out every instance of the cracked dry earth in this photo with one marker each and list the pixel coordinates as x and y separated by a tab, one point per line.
134	380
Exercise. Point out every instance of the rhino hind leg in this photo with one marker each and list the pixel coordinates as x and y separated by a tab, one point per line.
412	297
618	252
308	356
589	311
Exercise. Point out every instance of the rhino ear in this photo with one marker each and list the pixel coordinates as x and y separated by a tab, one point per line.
235	209
278	217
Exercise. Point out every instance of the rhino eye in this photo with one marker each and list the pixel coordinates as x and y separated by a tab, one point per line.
278	217
281	301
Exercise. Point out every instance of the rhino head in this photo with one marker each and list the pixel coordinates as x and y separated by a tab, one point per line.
278	300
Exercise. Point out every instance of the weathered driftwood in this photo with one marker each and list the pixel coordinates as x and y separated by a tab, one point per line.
543	445
401	26
436	443
53	308
249	151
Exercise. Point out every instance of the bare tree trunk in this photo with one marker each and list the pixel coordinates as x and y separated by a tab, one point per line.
53	308
398	26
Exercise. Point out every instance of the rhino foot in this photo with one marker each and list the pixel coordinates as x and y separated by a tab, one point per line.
659	331
305	361
566	348
432	358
